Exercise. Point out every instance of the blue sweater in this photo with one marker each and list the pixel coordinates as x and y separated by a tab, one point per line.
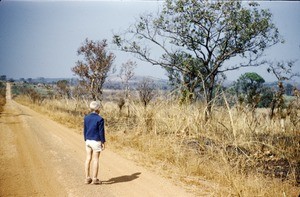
94	128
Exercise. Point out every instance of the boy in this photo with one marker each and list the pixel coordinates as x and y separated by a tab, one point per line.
94	137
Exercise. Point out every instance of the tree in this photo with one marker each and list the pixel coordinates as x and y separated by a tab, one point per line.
146	91
283	71
63	88
93	69
34	95
186	82
197	38
79	92
41	80
267	96
3	78
126	74
249	86
289	89
30	80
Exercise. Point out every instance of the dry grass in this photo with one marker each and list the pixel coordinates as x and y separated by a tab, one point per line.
2	102
2	96
236	153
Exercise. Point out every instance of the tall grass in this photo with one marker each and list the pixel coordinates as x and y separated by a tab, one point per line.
236	153
2	95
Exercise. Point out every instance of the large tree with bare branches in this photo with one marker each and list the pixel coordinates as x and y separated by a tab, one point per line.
94	67
193	40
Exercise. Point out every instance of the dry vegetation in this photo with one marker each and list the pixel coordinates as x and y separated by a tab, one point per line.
235	153
2	95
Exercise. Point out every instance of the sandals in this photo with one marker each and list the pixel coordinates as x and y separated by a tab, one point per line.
92	181
96	182
88	180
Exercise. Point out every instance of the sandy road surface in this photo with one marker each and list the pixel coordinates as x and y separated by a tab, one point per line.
40	157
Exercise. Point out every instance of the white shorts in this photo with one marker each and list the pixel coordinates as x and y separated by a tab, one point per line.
94	145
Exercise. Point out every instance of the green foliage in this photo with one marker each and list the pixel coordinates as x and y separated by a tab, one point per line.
3	78
249	82
267	96
189	82
249	87
36	94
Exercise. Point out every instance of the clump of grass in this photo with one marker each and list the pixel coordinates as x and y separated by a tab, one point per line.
242	153
2	96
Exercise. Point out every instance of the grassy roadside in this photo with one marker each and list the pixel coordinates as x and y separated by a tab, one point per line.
234	154
2	95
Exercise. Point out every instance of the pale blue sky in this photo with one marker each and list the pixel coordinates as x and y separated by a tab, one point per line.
40	38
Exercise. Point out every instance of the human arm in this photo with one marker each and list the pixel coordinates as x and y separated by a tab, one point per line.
84	129
102	131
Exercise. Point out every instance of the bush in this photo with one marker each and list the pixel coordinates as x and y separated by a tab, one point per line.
267	97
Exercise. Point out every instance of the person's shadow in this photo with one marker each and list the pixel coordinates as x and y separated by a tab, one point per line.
120	179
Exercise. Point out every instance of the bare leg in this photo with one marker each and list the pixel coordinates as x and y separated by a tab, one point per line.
88	161
95	164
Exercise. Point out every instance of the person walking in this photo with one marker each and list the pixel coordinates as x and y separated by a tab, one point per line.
94	137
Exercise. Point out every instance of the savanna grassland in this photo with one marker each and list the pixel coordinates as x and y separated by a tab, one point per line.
237	152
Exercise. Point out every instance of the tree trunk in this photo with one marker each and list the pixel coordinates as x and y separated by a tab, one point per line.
209	97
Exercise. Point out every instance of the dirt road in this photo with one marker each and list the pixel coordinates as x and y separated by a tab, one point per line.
40	157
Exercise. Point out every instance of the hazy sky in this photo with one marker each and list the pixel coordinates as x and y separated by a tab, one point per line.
40	38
